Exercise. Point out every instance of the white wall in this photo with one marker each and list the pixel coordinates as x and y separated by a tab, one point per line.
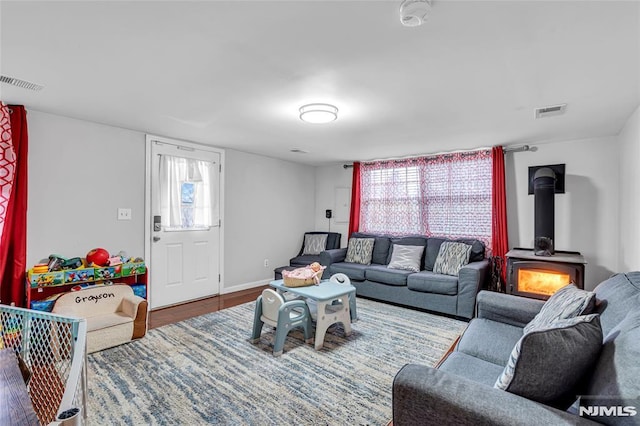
586	216
269	205
79	174
328	179
629	141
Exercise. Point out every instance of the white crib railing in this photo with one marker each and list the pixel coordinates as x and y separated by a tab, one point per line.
53	348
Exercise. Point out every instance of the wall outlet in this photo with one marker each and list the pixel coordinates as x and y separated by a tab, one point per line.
124	214
266	263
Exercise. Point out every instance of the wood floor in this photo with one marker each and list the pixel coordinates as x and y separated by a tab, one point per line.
170	315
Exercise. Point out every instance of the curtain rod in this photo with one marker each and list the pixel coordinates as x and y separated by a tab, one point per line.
433	154
504	150
517	149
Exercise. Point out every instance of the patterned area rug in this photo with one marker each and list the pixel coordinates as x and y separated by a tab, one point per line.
205	371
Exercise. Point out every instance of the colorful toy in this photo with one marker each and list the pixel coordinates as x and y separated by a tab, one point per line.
40	268
55	262
98	256
74	263
115	260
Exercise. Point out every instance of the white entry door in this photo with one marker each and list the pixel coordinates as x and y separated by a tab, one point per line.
184	222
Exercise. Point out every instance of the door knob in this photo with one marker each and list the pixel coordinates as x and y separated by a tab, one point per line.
156	239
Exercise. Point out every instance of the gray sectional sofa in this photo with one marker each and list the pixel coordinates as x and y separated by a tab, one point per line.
461	390
452	295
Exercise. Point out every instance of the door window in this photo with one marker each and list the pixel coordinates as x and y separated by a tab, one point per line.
187	196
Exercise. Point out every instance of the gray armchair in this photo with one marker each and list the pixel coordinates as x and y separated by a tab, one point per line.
333	242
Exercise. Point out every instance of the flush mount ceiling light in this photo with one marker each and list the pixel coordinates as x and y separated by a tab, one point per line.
414	13
318	113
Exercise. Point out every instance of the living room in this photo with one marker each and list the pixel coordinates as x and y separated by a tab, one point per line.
87	137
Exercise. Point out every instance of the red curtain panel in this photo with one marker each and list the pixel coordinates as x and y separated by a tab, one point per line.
13	243
499	234
354	215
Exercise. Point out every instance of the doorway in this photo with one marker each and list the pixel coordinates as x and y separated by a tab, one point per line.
183	223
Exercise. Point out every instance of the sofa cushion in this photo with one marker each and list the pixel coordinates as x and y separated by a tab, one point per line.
360	251
92	301
333	240
615	297
470	367
430	282
568	302
617	370
107	320
408	241
384	275
314	243
406	257
489	340
354	271
451	258
548	363
381	247
433	248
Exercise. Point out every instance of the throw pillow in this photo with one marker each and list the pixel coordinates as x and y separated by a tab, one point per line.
451	257
548	363
406	257
568	302
360	250
314	243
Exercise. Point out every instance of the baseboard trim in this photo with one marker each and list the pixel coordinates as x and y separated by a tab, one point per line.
245	286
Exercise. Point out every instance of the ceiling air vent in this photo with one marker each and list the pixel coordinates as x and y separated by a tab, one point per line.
20	83
550	111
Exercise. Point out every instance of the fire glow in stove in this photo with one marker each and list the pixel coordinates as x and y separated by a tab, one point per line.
541	276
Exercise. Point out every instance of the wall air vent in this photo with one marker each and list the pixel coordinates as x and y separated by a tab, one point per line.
550	111
20	83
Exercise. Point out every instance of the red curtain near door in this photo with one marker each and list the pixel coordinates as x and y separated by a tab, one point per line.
13	244
354	215
499	234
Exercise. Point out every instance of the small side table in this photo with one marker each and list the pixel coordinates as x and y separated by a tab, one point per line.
325	293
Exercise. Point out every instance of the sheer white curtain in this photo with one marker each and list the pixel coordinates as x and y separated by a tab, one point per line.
188	193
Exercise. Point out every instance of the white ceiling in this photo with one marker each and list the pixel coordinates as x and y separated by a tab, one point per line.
233	73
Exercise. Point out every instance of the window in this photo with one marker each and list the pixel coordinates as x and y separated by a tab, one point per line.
186	193
446	196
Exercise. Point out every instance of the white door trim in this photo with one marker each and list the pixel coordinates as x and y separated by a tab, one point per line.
148	225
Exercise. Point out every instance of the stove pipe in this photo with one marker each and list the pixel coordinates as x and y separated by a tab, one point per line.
544	183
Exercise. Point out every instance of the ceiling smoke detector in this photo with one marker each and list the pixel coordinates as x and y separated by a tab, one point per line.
550	111
20	83
414	13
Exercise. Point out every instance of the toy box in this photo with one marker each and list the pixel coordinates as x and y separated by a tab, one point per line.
46	279
79	275
107	273
133	269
